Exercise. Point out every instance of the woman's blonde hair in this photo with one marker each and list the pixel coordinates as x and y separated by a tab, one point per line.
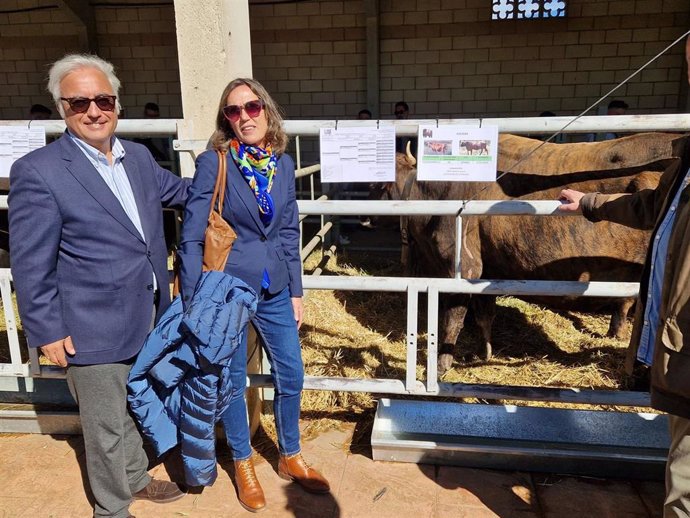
275	135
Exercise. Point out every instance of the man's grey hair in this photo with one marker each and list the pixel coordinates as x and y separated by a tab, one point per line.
72	62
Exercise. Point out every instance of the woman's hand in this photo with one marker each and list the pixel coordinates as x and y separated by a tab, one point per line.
298	309
570	200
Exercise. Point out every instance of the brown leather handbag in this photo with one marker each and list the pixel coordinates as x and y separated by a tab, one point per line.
219	234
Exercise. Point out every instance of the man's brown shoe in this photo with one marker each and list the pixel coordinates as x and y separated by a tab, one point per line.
249	492
160	492
296	469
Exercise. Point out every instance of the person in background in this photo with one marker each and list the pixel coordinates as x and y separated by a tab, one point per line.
261	206
159	147
39	112
615	107
661	333
151	111
402	112
558	139
364	115
90	269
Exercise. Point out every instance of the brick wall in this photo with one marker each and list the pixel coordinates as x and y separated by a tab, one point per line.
446	58
140	42
28	42
311	56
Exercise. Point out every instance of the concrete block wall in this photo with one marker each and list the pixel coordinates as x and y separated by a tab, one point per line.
447	58
142	44
311	56
139	41
29	41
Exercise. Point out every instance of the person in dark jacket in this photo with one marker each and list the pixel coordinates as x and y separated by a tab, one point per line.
89	264
260	205
662	319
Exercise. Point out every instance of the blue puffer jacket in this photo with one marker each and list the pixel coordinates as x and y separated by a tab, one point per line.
179	384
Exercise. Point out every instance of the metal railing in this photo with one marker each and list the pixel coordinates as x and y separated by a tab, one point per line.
412	286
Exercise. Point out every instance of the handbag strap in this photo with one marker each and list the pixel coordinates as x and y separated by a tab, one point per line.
219	190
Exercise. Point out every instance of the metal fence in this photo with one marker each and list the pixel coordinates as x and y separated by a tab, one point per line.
19	368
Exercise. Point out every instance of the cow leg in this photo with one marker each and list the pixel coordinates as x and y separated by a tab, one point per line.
619	317
484	309
453	312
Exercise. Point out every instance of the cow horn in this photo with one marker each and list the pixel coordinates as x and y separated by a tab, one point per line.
411	160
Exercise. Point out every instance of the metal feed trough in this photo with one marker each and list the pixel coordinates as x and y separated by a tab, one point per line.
582	442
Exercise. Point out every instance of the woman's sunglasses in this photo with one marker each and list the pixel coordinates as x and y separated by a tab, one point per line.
105	103
232	112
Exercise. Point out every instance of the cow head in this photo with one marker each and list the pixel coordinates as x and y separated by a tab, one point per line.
405	167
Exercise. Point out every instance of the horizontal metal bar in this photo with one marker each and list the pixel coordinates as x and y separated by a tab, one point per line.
457	390
433	208
324	206
125	127
31	421
475	286
409	127
373	385
47	371
467	390
306	171
586	124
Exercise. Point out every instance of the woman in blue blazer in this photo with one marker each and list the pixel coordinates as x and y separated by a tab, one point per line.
260	205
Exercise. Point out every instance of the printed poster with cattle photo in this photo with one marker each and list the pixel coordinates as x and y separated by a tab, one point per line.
457	153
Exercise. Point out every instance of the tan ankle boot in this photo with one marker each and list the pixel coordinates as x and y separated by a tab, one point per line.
249	491
296	469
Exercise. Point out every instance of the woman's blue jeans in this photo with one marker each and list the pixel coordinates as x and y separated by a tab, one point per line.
275	323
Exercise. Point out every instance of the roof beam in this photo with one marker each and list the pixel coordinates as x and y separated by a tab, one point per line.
82	13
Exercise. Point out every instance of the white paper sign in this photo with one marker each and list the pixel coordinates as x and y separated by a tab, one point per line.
457	153
358	155
17	141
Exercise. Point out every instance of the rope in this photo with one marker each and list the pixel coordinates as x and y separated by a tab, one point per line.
595	103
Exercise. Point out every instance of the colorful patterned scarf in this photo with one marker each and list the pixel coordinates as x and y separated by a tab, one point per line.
258	167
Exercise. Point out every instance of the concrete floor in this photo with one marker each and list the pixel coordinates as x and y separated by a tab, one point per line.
41	476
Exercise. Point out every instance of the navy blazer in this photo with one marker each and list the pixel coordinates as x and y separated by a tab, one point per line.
274	247
80	266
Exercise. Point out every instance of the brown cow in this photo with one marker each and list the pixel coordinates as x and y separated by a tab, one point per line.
526	247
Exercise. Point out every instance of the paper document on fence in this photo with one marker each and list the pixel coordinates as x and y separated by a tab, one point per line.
457	153
357	155
17	141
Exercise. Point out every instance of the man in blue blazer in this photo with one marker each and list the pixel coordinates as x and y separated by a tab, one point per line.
89	263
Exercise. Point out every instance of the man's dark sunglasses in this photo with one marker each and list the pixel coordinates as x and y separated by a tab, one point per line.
232	112
105	103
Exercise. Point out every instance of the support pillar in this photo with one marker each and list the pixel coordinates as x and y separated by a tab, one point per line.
373	86
213	47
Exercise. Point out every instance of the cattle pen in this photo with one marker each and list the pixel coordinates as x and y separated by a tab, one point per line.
24	378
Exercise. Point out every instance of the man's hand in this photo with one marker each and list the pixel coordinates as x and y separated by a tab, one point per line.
570	200
55	351
298	309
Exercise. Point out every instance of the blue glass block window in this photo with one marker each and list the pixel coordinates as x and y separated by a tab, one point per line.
527	9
